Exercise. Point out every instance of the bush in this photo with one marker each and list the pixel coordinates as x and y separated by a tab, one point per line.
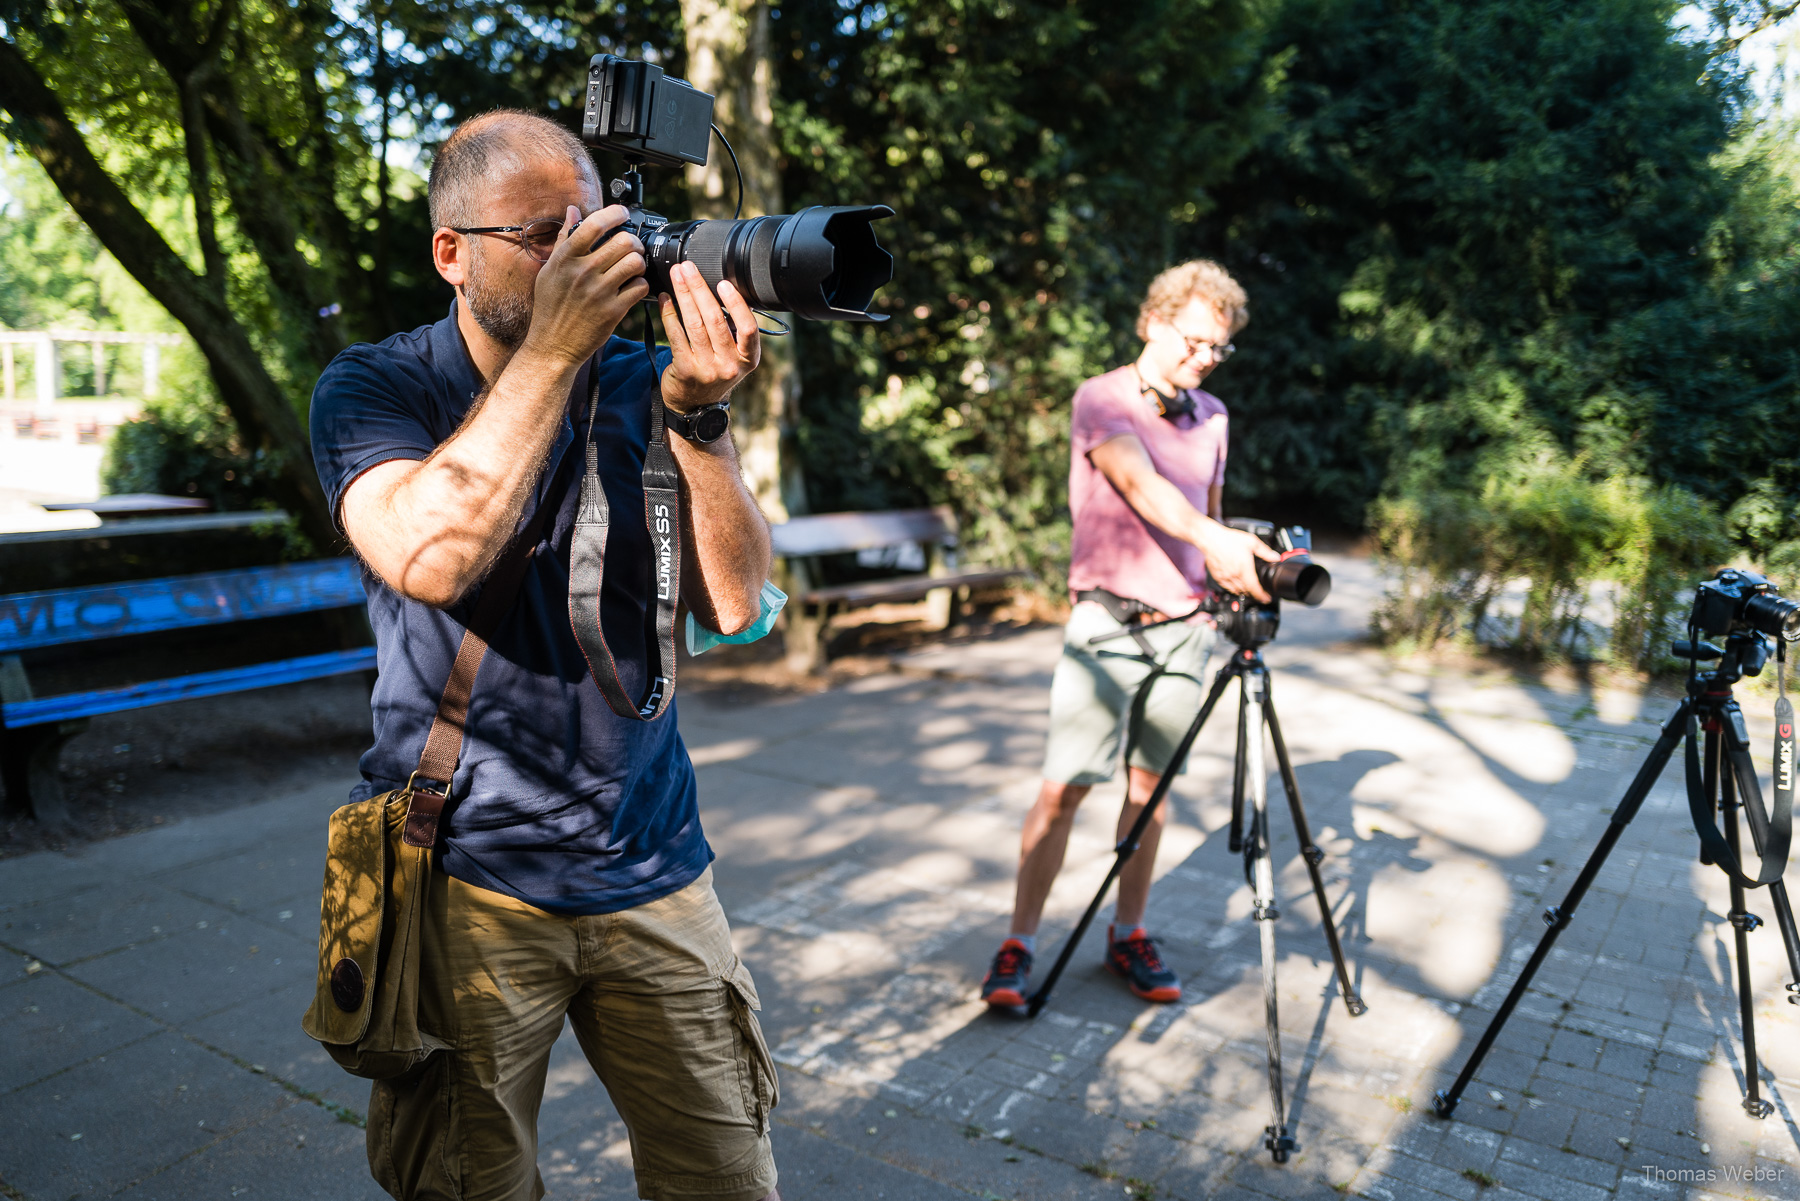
1552	523
187	447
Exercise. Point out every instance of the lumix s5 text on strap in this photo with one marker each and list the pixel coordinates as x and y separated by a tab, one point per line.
587	565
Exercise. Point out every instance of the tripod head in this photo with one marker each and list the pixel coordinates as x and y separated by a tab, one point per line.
1247	622
1744	654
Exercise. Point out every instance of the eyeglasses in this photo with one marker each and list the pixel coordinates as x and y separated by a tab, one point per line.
1194	345
535	238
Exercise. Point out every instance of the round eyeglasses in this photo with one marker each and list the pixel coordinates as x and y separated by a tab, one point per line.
1220	352
535	238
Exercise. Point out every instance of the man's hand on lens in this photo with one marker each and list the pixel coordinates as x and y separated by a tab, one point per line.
712	355
1231	557
586	286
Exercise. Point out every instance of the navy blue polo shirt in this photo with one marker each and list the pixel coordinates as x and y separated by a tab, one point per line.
557	801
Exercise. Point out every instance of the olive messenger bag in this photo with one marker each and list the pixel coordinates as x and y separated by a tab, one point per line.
378	869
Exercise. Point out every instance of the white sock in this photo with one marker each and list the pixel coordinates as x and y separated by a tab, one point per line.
1120	930
1029	940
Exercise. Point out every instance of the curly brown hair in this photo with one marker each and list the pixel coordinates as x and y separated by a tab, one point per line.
1200	279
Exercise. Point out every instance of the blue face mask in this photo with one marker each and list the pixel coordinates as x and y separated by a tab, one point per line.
700	639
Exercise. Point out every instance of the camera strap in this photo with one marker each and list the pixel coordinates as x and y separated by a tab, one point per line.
1125	610
587	563
1735	759
1782	768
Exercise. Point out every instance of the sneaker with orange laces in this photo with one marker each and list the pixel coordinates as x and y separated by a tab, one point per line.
1136	959
1004	985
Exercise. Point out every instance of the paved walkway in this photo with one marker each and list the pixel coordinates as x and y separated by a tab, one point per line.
149	1043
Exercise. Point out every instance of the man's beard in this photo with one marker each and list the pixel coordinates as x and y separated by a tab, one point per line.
503	316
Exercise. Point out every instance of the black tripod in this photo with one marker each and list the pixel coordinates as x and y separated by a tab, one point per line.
1725	784
1249	627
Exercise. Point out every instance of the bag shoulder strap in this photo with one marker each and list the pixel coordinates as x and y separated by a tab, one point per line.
443	746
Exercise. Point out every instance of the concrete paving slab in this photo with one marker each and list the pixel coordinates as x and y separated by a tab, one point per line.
261	881
73	929
120	1117
299	1153
264	1032
213	965
49	1024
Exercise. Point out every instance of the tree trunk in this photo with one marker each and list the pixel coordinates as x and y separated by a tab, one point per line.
256	403
728	47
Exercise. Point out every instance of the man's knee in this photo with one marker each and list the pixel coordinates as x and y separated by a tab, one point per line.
1060	802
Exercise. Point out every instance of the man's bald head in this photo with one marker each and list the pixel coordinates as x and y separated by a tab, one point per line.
494	144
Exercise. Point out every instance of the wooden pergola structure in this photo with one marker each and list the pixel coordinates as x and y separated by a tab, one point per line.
45	348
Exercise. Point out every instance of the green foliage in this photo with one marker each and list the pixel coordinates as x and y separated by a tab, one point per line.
1455	244
186	448
1044	157
1555	525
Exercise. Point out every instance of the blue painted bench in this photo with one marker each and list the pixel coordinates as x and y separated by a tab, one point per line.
33	729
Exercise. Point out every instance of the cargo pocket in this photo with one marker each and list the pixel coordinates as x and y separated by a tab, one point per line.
756	1067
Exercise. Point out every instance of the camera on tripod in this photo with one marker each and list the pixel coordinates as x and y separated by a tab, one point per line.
822	263
1293	577
1736	600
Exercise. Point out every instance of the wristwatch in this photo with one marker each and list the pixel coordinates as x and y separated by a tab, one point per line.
707	423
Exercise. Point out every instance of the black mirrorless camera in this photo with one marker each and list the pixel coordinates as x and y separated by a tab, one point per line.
1736	600
1295	577
822	263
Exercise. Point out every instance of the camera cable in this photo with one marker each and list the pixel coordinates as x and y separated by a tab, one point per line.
737	210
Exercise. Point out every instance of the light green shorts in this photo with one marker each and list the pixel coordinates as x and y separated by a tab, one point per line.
1091	694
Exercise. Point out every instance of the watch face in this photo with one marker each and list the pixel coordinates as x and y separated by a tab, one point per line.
710	424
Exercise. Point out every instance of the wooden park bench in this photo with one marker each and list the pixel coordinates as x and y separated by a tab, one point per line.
33	728
803	540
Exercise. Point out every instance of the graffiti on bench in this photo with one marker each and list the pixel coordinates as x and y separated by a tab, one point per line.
36	619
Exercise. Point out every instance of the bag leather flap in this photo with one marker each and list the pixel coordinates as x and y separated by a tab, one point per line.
350	922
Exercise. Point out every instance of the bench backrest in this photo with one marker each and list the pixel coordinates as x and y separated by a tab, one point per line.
35	619
836	533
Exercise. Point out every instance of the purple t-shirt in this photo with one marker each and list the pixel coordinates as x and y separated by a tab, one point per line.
1113	547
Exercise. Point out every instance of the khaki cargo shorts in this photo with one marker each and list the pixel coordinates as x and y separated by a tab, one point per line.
662	1007
1091	695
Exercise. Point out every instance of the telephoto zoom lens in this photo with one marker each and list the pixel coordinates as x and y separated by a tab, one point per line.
821	263
1295	578
1774	615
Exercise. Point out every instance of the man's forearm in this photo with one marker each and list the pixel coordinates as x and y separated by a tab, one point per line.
1164	506
725	552
446	519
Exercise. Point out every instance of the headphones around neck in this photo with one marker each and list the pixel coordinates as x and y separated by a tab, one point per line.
1169	408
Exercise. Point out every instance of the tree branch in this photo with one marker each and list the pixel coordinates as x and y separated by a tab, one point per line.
1772	14
39	123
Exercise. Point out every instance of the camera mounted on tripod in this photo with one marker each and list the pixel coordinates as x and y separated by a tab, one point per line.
822	263
1294	577
1744	608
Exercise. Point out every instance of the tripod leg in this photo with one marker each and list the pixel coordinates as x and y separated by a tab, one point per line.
1235	843
1558	916
1750	790
1313	856
1276	1138
1742	923
1129	844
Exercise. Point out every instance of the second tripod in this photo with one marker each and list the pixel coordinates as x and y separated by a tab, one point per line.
1250	774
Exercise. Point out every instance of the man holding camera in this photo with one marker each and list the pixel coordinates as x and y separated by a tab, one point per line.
576	880
1146	494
